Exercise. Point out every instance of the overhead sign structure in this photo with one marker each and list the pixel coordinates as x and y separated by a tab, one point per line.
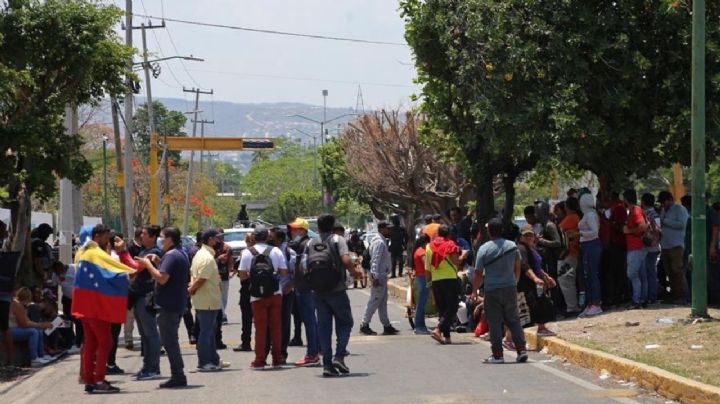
205	143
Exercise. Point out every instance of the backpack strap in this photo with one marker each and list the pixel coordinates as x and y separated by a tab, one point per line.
253	251
267	251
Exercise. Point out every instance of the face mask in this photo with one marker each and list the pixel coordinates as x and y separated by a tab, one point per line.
297	239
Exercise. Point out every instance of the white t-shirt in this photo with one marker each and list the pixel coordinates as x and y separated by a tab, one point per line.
276	256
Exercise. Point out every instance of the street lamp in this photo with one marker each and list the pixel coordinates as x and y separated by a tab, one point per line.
105	192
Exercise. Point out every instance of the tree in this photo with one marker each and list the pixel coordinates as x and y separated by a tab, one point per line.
167	123
53	53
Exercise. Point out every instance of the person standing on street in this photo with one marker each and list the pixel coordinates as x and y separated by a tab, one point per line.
171	299
246	307
206	298
497	266
304	295
327	278
277	239
636	253
380	264
134	248
419	253
398	243
442	260
264	265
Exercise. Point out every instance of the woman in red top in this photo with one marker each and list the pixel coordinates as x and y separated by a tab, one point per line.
420	283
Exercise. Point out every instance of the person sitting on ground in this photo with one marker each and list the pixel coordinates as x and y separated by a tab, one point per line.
24	329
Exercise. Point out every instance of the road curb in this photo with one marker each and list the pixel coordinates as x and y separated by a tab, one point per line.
663	382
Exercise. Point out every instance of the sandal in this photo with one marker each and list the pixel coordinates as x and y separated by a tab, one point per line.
437	337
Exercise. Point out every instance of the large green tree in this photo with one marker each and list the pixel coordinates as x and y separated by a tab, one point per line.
167	123
53	53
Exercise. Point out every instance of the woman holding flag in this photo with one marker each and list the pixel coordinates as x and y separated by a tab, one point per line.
99	299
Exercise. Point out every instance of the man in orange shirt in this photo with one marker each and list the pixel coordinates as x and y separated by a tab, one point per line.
431	229
567	266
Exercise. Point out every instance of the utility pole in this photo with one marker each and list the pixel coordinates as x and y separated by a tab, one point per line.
128	216
119	162
202	137
66	218
699	238
188	190
105	190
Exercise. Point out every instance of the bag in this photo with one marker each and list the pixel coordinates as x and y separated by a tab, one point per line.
523	310
150	303
651	236
366	259
323	269
263	282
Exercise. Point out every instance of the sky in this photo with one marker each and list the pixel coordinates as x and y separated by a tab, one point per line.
250	67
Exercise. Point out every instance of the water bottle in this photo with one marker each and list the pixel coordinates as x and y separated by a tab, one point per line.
540	290
581	300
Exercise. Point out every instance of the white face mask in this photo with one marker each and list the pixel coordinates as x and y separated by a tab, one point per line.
297	238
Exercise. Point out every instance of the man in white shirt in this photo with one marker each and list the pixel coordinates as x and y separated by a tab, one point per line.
264	265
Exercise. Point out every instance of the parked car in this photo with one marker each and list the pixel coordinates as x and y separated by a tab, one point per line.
235	238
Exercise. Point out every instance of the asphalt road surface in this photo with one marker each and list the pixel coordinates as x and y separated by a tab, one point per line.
384	369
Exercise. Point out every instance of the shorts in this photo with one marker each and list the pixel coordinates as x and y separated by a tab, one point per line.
4	315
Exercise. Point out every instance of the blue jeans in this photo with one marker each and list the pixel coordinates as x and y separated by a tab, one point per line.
334	305
34	337
207	351
591	254
423	294
636	274
651	276
306	305
149	335
169	323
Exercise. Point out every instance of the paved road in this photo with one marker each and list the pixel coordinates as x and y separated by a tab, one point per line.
403	368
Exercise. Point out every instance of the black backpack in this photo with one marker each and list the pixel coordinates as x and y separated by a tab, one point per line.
263	282
323	271
366	258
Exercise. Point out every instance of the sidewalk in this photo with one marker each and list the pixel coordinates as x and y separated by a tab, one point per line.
616	343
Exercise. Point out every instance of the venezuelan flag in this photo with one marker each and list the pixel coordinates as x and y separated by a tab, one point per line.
101	286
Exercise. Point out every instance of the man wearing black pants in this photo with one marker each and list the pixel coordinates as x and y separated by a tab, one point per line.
398	242
247	318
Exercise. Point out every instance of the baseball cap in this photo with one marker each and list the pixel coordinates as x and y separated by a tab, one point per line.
527	229
260	232
300	223
208	234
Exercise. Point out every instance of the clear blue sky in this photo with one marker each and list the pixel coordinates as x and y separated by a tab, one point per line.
253	67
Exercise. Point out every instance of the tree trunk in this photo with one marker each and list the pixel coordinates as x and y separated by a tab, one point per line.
20	214
485	209
509	208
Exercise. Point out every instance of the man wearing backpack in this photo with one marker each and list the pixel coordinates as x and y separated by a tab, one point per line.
380	263
324	259
264	265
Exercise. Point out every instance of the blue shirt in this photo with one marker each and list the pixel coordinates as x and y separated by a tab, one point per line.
674	223
172	296
500	273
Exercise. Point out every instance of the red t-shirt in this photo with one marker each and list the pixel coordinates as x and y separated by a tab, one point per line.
635	219
618	214
419	261
570	223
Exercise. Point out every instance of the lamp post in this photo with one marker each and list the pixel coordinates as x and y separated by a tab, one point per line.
105	192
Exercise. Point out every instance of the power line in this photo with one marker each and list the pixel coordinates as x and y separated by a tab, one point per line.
275	32
303	78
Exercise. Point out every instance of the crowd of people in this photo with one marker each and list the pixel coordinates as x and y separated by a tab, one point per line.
582	256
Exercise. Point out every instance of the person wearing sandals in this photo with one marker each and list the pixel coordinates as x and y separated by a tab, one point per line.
534	282
441	263
498	269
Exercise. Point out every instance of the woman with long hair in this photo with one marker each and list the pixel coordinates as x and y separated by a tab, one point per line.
419	253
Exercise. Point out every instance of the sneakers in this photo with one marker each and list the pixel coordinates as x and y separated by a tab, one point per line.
257	365
224	364
89	388
243	348
593	311
390	330
209	367
114	370
330	371
522	356
366	330
339	364
634	306
220	345
295	342
546	333
103	388
74	350
145	375
173	384
421	331
308	360
39	362
192	339
492	360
